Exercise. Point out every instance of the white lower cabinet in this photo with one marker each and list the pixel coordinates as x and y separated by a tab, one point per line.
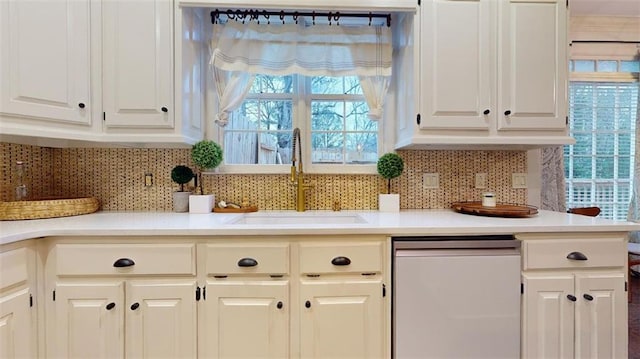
17	311
122	300
294	298
574	308
342	319
243	312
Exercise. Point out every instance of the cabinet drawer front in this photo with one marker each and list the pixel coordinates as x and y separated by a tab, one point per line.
13	267
542	254
251	258
341	258
100	259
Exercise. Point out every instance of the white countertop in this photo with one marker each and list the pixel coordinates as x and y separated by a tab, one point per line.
404	223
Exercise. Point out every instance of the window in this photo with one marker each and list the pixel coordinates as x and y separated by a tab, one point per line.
332	110
328	80
602	118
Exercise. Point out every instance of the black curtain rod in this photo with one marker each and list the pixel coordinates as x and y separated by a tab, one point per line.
607	41
249	15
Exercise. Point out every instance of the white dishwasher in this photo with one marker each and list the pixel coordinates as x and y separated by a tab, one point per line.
456	297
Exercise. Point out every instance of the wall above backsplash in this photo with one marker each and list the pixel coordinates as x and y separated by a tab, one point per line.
116	177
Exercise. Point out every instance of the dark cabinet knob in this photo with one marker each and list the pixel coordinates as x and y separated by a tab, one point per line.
576	256
572	297
247	262
111	305
135	306
507	112
279	305
164	109
487	111
341	261
81	105
123	262
307	304
588	297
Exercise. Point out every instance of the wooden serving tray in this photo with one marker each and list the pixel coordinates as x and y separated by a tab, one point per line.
235	210
507	210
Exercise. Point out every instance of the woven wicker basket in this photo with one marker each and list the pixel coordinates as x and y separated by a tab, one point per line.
47	208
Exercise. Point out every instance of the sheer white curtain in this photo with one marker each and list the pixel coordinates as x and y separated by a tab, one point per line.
318	50
231	87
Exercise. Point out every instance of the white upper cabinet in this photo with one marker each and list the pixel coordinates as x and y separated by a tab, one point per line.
138	63
485	72
76	72
45	61
533	65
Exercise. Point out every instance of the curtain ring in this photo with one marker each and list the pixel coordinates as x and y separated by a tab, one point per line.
370	18
313	17
282	16
295	17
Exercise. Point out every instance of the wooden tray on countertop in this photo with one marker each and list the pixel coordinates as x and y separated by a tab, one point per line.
507	210
235	210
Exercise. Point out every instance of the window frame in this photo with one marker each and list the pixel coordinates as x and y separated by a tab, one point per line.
594	182
301	118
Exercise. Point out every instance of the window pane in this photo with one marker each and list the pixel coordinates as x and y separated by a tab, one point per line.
624	193
240	147
274	148
605	144
606	96
327	147
584	66
357	119
625	145
607	66
581	193
272	84
327	116
605	118
328	85
604	168
362	147
624	170
352	85
276	115
582	167
583	144
581	119
629	66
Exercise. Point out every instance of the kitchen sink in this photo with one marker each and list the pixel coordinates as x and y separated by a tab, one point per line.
280	218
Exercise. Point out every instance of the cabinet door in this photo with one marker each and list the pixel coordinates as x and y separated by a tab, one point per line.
161	319
16	334
44	60
532	64
601	318
341	319
548	316
138	63
88	321
241	312
456	61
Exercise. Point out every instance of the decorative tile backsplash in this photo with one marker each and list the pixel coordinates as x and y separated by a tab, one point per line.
116	177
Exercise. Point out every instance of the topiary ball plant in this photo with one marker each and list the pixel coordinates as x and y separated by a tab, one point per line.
206	154
181	175
390	166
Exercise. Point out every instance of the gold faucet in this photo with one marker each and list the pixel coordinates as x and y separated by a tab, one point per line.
297	175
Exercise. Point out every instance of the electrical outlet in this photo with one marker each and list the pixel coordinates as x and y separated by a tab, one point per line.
519	180
148	179
430	180
481	180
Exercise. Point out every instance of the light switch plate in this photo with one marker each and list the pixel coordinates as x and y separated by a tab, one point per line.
481	180
519	180
430	180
